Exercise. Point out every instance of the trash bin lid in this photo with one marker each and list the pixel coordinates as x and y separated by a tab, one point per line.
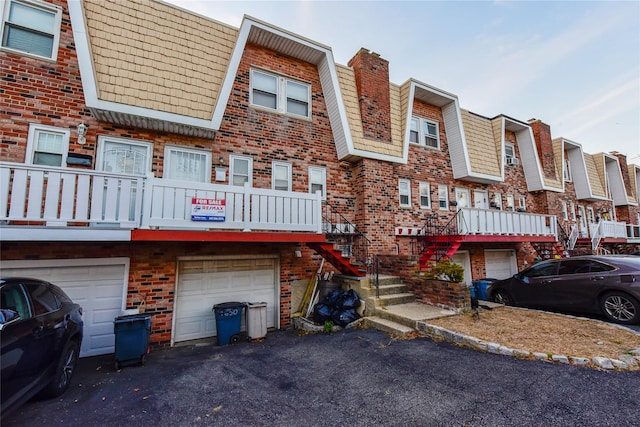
229	305
256	304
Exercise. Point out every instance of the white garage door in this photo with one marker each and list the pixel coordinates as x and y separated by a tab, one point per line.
98	285
202	283
500	264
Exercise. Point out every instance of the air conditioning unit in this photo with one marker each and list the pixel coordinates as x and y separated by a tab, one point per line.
512	161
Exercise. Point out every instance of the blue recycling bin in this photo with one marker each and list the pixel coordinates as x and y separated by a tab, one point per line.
479	288
132	333
228	321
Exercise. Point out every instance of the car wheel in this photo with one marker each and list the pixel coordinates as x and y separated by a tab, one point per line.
502	297
620	308
64	371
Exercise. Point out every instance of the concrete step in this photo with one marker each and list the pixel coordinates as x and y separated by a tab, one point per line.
396	288
394	299
410	313
387	326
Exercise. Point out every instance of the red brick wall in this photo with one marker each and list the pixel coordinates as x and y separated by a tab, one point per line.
372	83
542	136
152	272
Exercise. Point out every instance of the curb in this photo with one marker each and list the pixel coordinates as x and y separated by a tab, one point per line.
627	362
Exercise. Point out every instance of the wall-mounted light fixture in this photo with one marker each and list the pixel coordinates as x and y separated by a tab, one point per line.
82	133
221	160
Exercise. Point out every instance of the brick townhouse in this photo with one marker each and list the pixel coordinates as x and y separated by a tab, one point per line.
151	157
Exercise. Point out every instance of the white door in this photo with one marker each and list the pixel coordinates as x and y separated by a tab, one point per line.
462	198
500	264
462	258
98	285
480	199
202	283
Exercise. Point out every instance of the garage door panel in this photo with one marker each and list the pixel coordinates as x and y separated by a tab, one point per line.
204	283
500	264
97	285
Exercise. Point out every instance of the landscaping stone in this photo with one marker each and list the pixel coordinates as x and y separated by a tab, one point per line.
506	351
603	362
628	359
560	359
580	361
619	364
493	347
540	356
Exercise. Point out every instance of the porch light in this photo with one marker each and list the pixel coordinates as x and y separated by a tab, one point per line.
82	133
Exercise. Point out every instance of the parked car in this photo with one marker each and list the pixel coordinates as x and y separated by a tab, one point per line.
606	284
40	338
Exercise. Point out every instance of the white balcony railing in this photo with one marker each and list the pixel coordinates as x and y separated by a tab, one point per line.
35	195
58	196
496	222
604	229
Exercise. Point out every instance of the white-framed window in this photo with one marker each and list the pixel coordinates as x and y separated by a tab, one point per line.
572	211
510	154
284	95
318	180
425	195
443	197
124	156
497	201
31	27
187	164
462	197
522	203
47	145
591	217
240	170
511	202
565	211
404	190
567	170
424	132
281	176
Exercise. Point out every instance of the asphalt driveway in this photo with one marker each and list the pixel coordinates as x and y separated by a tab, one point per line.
352	377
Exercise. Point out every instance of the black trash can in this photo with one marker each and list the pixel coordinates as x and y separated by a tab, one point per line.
132	338
228	321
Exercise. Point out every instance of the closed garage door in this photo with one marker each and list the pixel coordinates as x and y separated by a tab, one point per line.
202	283
500	264
98	285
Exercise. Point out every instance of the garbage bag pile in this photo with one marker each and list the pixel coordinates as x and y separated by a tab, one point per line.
338	307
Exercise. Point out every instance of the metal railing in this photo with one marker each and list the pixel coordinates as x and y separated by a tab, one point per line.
345	235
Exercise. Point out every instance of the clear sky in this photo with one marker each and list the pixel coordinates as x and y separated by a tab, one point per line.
573	64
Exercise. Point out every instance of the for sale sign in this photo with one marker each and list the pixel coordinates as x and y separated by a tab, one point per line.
208	210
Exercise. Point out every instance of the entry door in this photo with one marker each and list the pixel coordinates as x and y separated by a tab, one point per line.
480	199
462	197
582	218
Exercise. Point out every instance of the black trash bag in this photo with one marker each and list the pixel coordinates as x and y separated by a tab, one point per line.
343	317
334	298
322	313
350	300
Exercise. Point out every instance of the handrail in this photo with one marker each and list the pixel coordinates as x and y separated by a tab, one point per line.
445	235
344	232
573	238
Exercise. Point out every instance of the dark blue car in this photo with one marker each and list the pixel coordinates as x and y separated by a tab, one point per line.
40	336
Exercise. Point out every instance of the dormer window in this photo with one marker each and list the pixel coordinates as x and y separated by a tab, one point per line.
567	170
424	132
510	154
31	27
281	94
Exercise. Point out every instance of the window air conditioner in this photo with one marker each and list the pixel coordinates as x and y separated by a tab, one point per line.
512	161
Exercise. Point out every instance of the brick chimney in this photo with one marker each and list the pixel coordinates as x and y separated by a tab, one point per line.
542	136
372	82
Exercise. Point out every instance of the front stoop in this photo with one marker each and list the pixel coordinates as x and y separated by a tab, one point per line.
395	311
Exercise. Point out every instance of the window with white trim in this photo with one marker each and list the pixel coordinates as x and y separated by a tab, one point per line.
47	145
425	195
443	197
572	211
565	211
187	164
281	176
511	202
424	132
567	170
124	156
31	27
591	217
240	170
522	203
318	180
404	190
284	95
497	201
510	154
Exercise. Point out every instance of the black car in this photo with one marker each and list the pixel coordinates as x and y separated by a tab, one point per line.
40	336
599	284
